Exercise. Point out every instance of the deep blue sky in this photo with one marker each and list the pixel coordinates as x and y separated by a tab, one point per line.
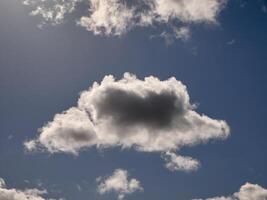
43	71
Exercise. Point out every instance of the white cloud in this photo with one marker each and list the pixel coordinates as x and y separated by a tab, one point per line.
30	145
182	33
15	194
69	132
147	115
110	17
188	10
53	11
117	17
119	183
247	191
180	163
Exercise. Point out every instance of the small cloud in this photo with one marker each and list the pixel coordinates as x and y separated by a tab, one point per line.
180	163
120	183
30	145
182	33
247	191
231	42
79	188
26	181
264	8
10	137
16	194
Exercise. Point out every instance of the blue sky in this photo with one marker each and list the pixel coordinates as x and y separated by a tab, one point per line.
43	71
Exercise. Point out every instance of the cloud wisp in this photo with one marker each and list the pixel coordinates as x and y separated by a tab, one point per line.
180	163
147	115
120	183
15	194
117	17
247	191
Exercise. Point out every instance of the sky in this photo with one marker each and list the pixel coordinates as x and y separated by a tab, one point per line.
137	100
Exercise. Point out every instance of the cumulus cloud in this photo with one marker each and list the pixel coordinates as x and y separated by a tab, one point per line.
184	163
247	191
119	183
15	194
147	115
117	17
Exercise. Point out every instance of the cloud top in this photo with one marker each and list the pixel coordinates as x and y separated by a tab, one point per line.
247	191
147	115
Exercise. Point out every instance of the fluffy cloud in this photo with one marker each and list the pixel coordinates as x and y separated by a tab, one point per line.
119	183
116	17
69	132
15	194
176	163
147	115
247	192
108	17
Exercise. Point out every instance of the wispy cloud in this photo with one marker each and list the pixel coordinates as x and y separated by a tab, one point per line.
16	194
231	42
117	17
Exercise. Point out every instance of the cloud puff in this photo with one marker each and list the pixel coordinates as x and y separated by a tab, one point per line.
15	194
184	163
119	183
247	191
147	115
69	132
117	17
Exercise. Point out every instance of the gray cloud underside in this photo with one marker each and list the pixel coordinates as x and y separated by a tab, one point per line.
117	17
147	115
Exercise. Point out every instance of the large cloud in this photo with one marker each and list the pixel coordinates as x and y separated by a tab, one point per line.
119	183
148	115
247	191
116	17
15	194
